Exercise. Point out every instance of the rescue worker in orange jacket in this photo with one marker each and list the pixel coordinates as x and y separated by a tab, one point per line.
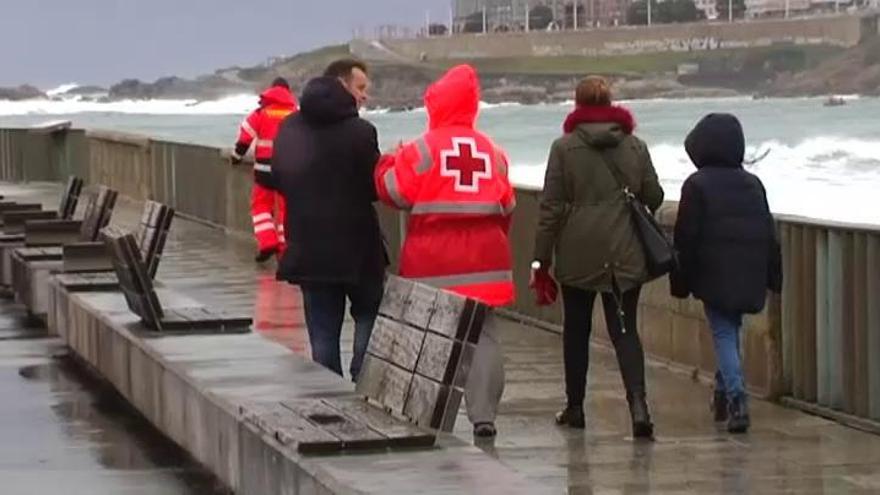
453	182
259	129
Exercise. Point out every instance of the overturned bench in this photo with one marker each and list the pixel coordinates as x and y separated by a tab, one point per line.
43	249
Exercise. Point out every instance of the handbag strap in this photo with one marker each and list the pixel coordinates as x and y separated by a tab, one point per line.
616	173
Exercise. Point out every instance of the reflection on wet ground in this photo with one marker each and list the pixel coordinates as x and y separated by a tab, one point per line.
63	429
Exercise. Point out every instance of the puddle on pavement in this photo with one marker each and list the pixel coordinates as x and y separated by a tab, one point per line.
71	420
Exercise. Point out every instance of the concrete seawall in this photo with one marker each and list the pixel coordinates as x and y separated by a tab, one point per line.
842	31
802	347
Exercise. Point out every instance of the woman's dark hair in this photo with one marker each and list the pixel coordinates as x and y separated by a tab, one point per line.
280	82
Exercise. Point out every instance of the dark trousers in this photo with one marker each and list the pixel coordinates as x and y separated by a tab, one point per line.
578	313
325	311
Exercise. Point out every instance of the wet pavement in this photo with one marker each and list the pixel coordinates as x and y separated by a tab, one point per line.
59	428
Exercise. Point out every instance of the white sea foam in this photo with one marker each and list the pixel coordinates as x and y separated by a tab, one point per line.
823	162
238	104
60	90
825	177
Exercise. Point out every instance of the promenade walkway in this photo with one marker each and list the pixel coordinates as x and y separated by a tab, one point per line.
786	452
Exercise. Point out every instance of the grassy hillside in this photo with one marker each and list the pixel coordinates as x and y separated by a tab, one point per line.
297	67
537	79
793	58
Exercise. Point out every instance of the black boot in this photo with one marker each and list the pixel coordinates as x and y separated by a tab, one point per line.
739	421
264	255
573	417
719	406
641	418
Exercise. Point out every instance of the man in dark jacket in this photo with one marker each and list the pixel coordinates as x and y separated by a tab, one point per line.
729	254
323	164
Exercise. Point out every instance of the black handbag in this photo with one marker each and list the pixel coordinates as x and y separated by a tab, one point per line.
659	251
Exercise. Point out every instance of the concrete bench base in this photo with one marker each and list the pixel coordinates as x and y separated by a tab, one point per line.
30	282
6	250
194	389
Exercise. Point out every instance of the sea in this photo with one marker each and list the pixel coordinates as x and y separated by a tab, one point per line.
816	161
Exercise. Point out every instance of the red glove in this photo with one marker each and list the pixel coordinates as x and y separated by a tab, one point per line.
546	289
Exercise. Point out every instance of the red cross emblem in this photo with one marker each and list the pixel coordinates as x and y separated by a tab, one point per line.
465	164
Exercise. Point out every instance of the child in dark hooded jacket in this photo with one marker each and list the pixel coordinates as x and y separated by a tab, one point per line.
728	251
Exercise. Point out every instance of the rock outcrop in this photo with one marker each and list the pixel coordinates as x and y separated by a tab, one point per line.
23	92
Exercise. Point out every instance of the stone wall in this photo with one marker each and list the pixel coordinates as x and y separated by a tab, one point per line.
842	31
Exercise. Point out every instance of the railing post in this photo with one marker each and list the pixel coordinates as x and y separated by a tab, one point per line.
835	301
823	347
873	324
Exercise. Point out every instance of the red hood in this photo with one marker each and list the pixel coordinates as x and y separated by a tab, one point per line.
454	100
599	115
277	95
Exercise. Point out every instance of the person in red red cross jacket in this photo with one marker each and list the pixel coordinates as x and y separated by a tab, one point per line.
259	129
453	182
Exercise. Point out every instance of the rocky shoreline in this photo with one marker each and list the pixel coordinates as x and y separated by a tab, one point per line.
390	95
400	86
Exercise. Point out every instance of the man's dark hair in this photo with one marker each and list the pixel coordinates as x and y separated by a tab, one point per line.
343	68
280	82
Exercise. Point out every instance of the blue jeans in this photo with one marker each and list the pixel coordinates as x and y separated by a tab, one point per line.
325	311
725	332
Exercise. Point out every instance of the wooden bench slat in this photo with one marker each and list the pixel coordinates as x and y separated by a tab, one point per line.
290	429
396	343
399	433
352	433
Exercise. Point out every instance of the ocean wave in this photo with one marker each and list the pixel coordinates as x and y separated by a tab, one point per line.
232	105
236	104
503	104
824	177
60	90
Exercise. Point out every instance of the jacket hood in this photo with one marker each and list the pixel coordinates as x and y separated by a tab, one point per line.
325	100
611	114
600	126
454	99
716	141
277	95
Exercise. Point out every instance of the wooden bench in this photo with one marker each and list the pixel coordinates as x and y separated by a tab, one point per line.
58	232
10	206
411	384
14	218
87	266
142	300
420	352
33	211
30	266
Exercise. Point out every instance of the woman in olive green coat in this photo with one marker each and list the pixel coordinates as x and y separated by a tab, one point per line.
585	228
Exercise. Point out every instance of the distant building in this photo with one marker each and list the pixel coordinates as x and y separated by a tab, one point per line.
756	9
512	15
709	7
501	15
606	12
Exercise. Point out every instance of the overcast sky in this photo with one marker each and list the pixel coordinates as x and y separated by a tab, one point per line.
50	42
